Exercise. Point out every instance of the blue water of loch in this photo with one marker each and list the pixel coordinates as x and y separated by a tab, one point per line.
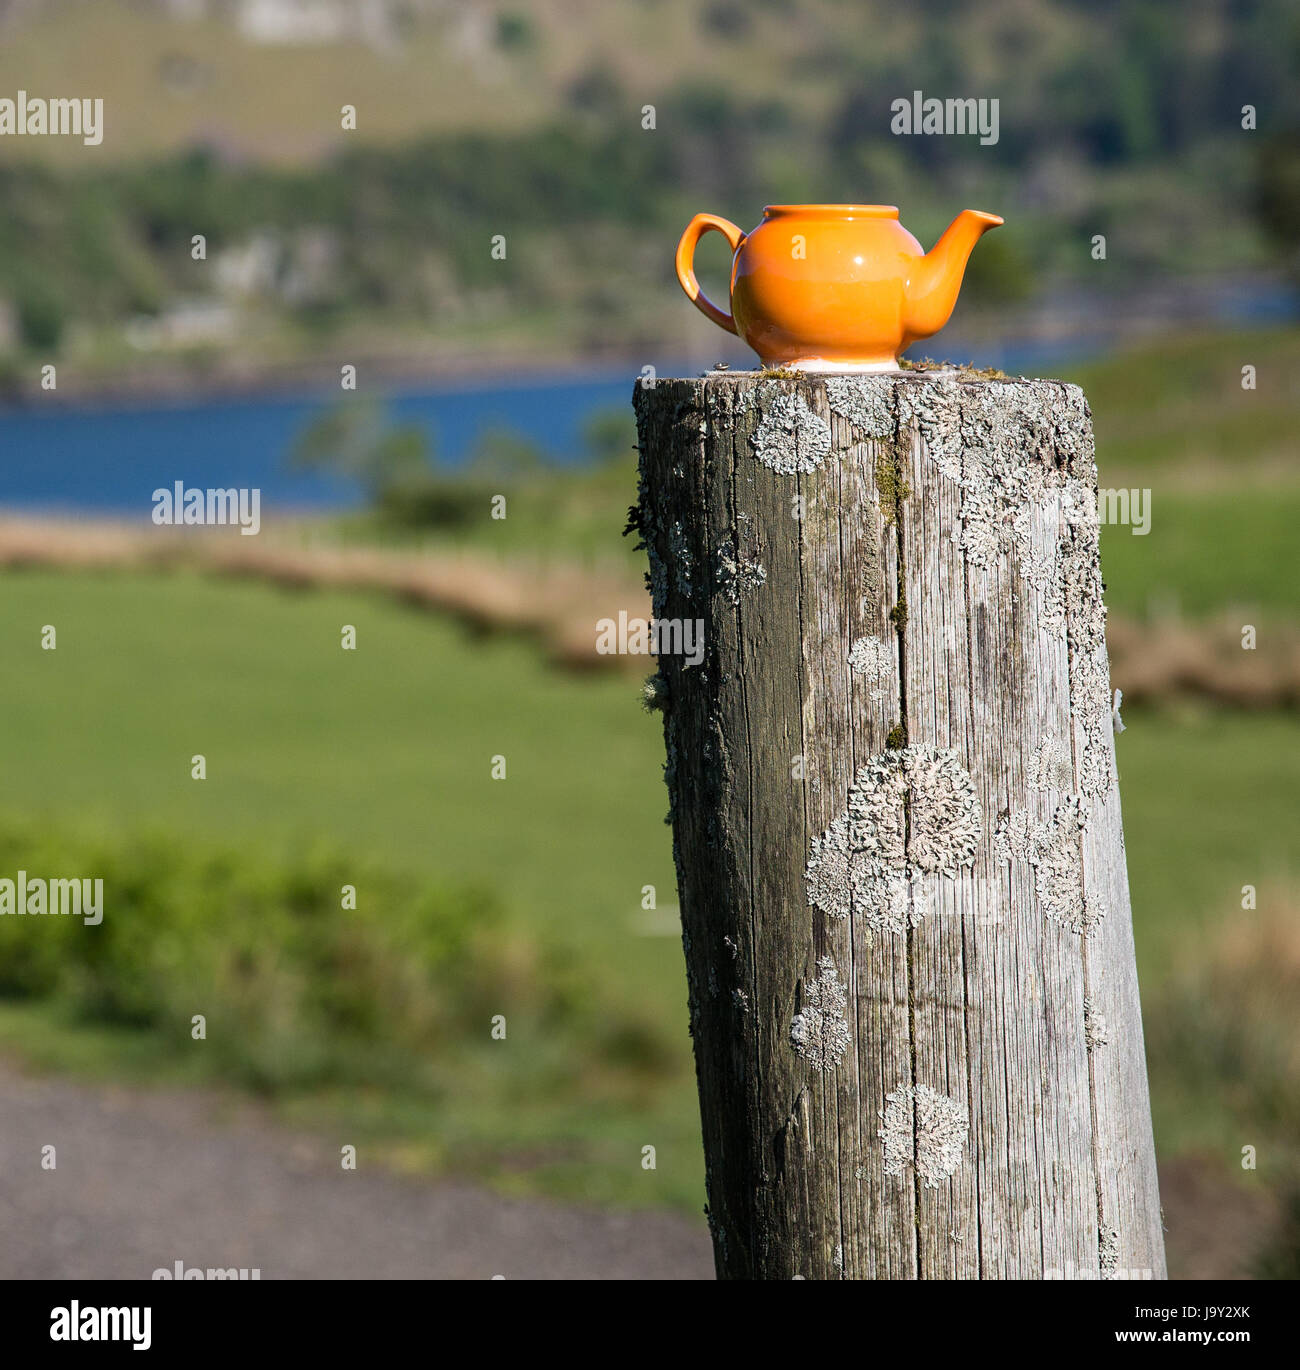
109	459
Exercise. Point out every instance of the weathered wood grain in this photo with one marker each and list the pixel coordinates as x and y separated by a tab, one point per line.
896	825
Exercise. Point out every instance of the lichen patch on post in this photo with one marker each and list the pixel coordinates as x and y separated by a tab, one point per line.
923	1129
944	815
683	563
912	812
1058	872
1024	459
867	402
1090	705
873	659
736	575
1096	1034
820	1030
1108	1252
791	438
830	870
1050	765
1016	837
933	408
1052	848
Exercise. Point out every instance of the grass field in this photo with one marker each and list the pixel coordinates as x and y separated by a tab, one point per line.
388	747
383	756
1208	552
1178	404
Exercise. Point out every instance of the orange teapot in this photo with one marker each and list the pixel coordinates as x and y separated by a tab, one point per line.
834	287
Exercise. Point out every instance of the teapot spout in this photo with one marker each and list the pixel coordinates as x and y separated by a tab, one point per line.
932	288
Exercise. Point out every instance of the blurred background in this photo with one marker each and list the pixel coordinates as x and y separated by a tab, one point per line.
548	896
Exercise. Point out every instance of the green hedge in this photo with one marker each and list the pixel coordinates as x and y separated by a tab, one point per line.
295	989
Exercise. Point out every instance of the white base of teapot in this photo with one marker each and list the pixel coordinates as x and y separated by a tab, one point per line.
815	364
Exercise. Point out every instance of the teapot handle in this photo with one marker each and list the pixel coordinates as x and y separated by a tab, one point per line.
695	230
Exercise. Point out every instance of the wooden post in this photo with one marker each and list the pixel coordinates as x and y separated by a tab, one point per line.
896	823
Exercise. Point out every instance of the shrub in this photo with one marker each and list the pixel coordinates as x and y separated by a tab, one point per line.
296	990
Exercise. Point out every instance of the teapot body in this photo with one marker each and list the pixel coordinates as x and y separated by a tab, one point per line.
834	287
825	284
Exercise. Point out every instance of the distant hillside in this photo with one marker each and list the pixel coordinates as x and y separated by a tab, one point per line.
582	136
264	79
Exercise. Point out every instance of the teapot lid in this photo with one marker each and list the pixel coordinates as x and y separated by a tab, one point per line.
839	211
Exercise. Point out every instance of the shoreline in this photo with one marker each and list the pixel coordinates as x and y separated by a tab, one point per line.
1063	329
182	384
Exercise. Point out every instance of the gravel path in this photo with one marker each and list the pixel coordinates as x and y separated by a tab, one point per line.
148	1178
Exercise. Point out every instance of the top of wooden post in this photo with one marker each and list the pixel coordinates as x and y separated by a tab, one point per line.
1015	422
